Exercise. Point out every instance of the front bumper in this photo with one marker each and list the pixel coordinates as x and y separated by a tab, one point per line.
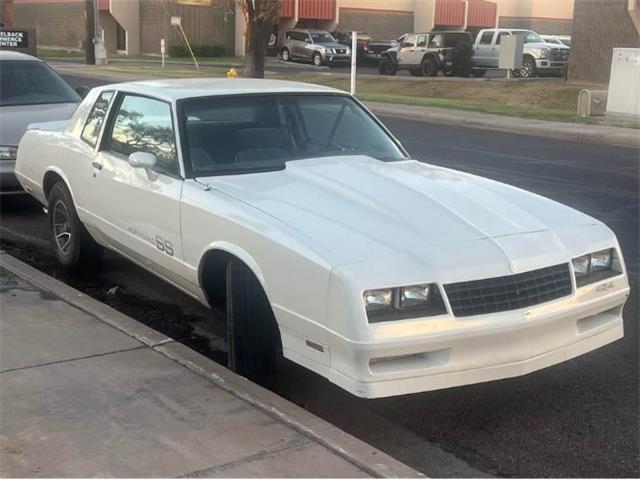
546	64
485	348
337	58
8	182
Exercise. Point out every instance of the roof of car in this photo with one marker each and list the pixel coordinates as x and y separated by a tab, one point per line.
176	89
11	55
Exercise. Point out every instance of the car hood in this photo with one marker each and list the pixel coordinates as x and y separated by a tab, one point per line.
546	45
359	208
16	118
331	45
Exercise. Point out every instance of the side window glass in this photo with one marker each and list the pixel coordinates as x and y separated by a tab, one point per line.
486	37
500	35
91	130
410	41
144	125
422	41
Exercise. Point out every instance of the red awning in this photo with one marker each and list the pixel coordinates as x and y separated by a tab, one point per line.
449	12
317	9
482	13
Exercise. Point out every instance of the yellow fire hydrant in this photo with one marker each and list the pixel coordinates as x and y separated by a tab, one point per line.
232	73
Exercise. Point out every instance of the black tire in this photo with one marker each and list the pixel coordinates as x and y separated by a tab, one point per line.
253	335
415	72
429	67
285	54
317	59
386	67
73	246
478	72
528	69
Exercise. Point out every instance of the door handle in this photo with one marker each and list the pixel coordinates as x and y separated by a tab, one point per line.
96	165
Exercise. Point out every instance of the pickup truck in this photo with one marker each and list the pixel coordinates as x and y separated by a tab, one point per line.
539	56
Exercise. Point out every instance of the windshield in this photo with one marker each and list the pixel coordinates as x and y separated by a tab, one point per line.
28	82
529	36
322	38
251	133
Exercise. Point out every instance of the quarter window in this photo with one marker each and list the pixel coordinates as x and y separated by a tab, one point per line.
91	129
144	124
486	37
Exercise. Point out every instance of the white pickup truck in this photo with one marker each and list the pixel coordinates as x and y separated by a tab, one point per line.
293	208
539	57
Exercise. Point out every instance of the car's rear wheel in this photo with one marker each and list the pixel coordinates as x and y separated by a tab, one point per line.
73	246
317	59
428	67
285	54
253	335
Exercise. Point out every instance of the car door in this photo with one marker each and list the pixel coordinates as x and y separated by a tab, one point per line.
483	54
138	209
407	50
420	50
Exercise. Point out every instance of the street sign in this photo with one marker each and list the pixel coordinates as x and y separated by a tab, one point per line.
176	21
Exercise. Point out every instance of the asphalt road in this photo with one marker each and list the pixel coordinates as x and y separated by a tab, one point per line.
576	419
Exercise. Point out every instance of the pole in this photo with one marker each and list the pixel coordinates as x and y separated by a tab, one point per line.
354	59
184	36
90	34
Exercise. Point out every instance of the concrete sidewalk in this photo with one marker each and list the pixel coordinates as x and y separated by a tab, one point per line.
577	132
86	391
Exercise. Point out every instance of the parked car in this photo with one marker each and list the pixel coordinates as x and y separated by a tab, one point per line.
364	42
430	53
317	46
294	209
558	39
539	57
30	91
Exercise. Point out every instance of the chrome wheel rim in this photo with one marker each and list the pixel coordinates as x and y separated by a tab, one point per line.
285	55
317	60
62	227
526	70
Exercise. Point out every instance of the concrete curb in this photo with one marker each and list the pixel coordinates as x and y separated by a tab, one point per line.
369	459
603	134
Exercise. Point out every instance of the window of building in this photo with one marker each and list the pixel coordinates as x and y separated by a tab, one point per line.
121	38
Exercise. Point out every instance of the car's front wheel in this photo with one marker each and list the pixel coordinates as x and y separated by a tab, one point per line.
386	67
252	330
73	246
285	54
317	59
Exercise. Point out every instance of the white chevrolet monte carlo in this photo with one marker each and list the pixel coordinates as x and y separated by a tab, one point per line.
293	208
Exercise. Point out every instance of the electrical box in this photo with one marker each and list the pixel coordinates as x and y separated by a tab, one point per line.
624	83
511	47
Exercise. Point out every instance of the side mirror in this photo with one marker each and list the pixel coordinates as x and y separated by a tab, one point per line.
307	40
82	91
142	160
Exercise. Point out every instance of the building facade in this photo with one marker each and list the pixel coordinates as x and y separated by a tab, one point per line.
599	27
136	26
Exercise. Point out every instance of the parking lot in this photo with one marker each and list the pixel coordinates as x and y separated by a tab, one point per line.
578	418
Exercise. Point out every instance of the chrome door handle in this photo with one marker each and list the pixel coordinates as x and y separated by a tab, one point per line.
96	165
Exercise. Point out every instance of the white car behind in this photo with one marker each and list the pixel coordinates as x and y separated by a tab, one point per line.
292	207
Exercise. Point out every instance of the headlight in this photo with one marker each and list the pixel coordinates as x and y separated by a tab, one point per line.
8	152
596	266
545	52
413	301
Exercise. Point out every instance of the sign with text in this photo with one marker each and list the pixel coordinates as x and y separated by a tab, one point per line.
18	39
176	21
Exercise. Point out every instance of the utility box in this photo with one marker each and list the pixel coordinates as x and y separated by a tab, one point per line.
624	83
19	40
511	47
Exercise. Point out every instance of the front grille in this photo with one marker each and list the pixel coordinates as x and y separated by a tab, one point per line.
341	50
511	292
559	54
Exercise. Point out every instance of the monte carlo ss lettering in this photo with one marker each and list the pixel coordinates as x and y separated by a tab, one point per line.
291	207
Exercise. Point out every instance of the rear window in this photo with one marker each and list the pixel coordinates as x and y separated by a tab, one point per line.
28	82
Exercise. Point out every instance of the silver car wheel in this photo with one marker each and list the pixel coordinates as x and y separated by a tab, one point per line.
317	60
62	227
285	55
